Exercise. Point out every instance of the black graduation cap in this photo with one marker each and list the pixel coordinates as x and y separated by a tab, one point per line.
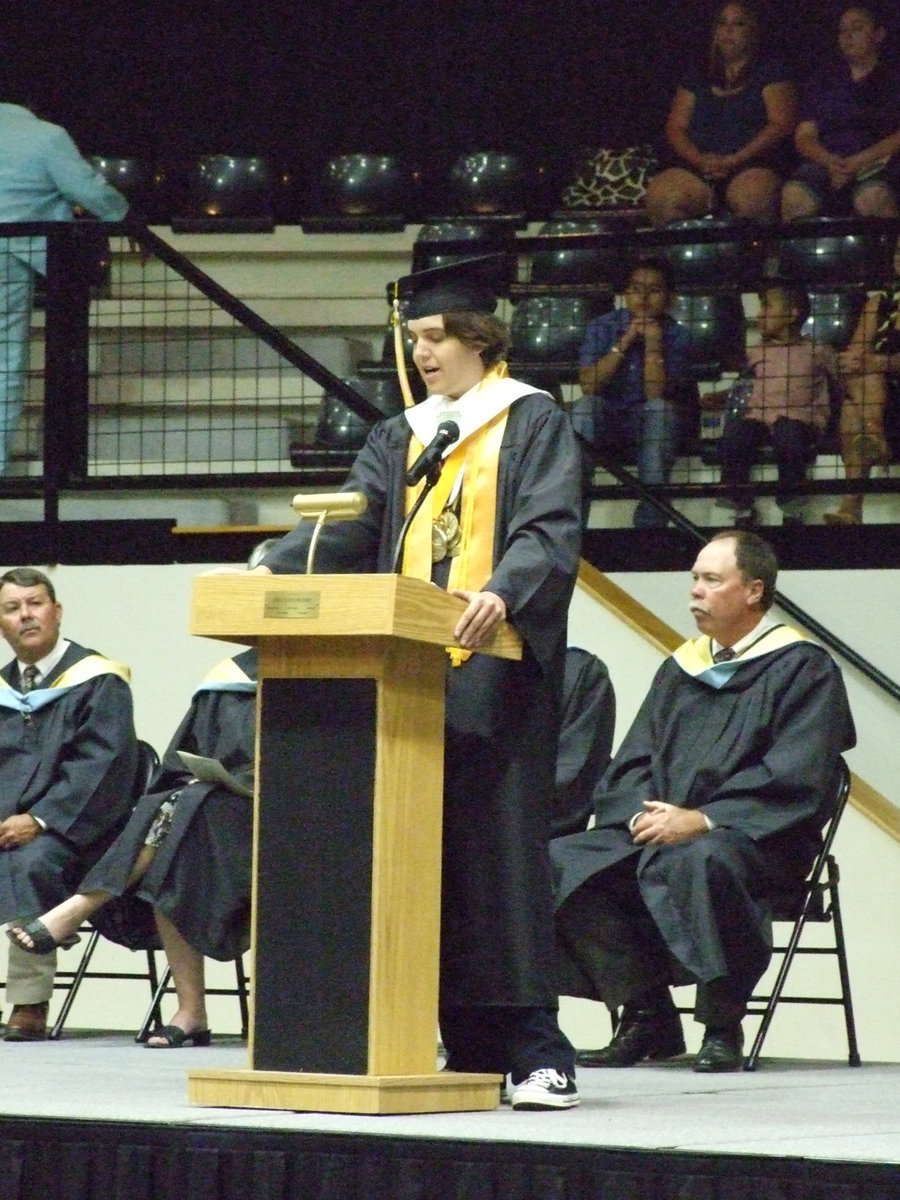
468	285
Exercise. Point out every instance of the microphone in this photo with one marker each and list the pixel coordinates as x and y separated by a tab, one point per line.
447	434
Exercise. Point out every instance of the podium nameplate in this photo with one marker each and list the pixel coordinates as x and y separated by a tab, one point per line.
282	605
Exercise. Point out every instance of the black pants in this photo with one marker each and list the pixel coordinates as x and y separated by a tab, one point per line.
710	890
504	1040
792	444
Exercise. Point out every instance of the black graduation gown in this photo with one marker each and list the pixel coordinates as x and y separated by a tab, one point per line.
502	717
758	756
586	732
201	873
72	763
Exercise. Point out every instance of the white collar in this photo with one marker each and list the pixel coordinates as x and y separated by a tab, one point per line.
762	626
49	662
471	411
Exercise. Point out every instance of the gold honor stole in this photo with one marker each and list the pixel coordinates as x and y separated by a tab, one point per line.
80	672
695	657
226	676
477	456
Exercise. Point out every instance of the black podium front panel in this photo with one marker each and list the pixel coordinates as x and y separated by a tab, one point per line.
314	864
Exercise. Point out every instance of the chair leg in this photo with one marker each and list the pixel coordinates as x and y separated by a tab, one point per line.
840	945
241	978
153	1019
72	991
753	1057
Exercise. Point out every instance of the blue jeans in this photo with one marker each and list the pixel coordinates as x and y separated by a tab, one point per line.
649	431
16	295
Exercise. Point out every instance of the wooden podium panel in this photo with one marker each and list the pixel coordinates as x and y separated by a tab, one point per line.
347	845
365	1095
247	608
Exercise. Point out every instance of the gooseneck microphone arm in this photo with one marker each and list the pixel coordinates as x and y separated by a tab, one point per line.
434	474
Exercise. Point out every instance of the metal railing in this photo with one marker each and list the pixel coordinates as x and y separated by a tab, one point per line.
163	377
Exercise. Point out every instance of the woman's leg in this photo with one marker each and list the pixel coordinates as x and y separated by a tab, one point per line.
677	195
188	977
875	199
798	201
862	440
753	195
66	917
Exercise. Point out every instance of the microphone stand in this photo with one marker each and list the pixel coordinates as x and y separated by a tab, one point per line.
431	478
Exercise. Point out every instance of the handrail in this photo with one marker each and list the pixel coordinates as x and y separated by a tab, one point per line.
270	334
151	242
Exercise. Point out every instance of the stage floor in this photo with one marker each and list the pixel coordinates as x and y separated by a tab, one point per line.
813	1110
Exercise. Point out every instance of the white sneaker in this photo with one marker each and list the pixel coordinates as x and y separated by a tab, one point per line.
545	1089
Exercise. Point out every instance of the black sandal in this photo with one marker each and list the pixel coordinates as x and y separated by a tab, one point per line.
175	1037
42	939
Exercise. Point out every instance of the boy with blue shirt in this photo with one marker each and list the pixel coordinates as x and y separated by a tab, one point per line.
633	361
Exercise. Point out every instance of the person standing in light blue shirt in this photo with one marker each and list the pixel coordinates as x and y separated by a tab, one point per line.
42	177
633	366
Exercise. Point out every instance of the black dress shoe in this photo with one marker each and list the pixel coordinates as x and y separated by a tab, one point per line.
722	1050
643	1034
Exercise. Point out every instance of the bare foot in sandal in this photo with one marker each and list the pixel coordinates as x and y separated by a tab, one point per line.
184	1028
56	927
35	938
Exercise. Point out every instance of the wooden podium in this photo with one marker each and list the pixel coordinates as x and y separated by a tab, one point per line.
347	842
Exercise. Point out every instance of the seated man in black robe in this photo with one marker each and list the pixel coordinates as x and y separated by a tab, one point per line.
68	757
714	801
186	850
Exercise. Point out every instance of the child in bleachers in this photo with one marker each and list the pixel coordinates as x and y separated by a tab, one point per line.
791	382
634	371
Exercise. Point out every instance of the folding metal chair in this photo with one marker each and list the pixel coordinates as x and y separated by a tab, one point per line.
816	901
153	1018
70	981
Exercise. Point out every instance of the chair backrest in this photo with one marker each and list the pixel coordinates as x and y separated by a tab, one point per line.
840	796
807	896
147	763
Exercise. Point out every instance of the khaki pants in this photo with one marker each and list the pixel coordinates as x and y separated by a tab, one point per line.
29	977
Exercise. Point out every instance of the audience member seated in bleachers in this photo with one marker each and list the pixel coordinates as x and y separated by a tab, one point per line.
727	129
791	382
849	129
186	850
870	367
634	369
68	759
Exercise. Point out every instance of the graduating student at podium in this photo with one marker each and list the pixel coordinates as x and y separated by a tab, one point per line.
501	529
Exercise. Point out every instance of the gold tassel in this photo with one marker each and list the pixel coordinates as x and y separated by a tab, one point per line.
399	355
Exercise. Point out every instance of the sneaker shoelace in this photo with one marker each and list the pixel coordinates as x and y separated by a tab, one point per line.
547	1077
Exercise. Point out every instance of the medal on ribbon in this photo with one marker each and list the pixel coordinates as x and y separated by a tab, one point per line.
445	536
